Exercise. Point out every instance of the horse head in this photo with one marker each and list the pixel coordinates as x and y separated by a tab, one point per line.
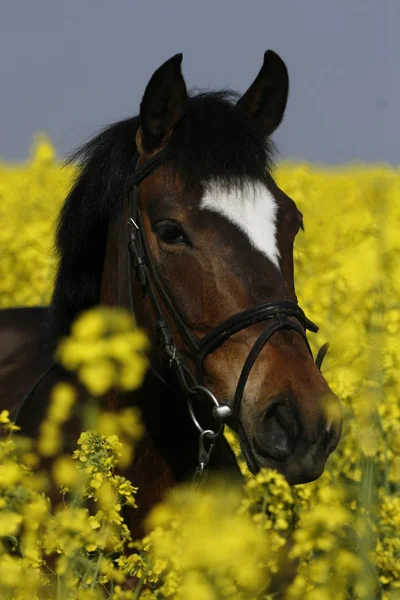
203	254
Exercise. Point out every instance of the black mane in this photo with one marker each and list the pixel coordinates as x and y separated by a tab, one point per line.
213	140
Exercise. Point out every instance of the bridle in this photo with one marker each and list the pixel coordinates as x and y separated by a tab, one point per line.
283	315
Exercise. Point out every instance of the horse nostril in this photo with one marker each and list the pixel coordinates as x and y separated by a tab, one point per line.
276	434
332	437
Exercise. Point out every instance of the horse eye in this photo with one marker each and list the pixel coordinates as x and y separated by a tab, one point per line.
170	233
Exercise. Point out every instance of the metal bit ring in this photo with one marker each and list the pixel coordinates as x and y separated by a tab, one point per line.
195	390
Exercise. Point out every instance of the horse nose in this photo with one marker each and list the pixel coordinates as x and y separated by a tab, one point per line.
276	433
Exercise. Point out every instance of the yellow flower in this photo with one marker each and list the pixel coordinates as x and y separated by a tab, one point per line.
9	523
4	416
50	439
62	400
343	530
96	481
35	511
43	151
131	423
91	325
65	472
106	495
10	474
196	587
106	350
98	377
235	548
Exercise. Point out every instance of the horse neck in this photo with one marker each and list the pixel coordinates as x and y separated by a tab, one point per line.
167	421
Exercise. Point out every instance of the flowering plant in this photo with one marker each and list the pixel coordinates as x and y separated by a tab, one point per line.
337	538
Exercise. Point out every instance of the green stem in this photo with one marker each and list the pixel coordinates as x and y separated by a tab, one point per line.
138	589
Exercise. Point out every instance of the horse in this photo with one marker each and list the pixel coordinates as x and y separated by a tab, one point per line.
175	215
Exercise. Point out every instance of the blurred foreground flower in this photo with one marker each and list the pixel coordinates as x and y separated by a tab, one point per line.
333	539
106	350
207	545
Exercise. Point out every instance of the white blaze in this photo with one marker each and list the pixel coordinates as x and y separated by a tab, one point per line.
252	208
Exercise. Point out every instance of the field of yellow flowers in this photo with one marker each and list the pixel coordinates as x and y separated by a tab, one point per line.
335	539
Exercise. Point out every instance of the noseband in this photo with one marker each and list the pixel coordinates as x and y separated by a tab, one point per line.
279	316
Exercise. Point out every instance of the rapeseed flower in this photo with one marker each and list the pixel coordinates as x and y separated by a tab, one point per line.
105	350
334	539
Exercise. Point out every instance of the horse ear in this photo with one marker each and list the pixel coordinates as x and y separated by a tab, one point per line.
163	104
265	100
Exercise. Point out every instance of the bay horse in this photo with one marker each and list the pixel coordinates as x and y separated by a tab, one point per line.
176	216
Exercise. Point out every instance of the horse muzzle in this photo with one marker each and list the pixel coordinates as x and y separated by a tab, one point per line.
281	440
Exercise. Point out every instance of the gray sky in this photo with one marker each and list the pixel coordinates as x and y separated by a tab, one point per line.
69	67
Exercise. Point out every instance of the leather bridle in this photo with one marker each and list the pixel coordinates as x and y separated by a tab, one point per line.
280	316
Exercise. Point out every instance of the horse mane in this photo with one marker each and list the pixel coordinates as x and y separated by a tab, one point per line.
213	140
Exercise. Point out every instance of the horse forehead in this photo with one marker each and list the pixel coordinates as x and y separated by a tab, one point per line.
252	208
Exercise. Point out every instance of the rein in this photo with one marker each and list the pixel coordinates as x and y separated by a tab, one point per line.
283	315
